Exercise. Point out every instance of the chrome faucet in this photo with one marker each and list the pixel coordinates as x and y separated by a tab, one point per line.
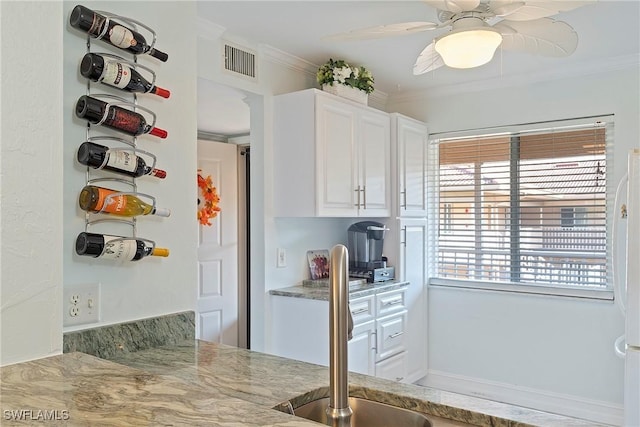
340	330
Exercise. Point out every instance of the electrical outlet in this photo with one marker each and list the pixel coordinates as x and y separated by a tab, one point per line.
81	304
281	260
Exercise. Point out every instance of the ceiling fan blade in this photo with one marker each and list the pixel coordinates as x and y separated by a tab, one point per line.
535	9
428	60
380	31
504	8
455	6
545	36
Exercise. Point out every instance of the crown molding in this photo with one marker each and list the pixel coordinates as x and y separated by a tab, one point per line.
209	30
578	69
378	99
277	56
269	53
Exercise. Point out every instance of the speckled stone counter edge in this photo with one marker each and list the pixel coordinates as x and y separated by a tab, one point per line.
111	341
322	293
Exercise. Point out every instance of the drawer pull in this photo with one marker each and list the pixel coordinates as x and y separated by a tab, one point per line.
396	335
394	302
360	310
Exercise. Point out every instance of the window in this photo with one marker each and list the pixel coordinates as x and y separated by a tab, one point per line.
526	207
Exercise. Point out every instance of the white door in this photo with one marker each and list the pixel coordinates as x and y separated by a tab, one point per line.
375	152
412	267
411	146
336	172
217	316
362	347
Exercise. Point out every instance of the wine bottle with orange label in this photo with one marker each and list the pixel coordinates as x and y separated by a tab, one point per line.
105	200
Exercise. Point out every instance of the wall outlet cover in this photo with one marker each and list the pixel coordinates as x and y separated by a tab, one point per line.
81	304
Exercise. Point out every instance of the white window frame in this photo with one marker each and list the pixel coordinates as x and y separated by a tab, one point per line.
602	293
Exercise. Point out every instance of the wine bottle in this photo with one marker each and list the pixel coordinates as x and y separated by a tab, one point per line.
105	200
118	35
122	162
107	247
115	117
117	74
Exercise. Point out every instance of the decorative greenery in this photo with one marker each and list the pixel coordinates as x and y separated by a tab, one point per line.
342	73
208	208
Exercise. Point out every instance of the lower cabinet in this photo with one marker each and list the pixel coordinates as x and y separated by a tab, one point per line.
394	368
378	346
362	348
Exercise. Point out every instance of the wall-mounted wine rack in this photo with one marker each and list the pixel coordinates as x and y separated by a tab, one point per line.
119	144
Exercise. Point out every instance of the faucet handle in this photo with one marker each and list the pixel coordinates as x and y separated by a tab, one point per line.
349	324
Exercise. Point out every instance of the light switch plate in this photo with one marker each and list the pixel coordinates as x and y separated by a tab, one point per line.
281	260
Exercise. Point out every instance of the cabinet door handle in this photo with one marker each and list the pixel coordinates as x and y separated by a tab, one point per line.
392	302
404	239
396	335
403	204
357	190
358	311
364	196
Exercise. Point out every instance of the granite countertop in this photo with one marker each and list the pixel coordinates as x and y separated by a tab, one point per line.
200	383
357	289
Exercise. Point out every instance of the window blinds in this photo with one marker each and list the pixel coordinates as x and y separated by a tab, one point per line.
523	206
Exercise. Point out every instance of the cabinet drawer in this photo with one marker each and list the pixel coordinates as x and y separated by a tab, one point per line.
391	336
362	309
394	368
391	302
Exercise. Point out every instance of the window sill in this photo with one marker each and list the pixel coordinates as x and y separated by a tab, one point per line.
596	294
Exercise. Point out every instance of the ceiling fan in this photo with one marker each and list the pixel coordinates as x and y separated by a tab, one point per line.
478	27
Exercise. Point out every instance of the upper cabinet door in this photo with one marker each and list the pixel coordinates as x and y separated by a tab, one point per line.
336	159
375	165
331	157
410	143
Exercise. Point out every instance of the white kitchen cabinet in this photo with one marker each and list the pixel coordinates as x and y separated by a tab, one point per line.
362	348
300	331
331	156
411	267
409	145
391	335
393	368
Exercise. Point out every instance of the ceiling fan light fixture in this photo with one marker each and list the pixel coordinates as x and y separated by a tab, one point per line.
468	48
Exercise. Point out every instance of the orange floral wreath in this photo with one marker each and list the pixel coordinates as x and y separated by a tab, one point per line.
209	208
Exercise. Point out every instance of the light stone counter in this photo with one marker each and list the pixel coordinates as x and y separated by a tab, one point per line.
75	389
357	290
198	383
268	380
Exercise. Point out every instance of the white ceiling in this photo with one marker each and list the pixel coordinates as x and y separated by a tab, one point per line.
608	31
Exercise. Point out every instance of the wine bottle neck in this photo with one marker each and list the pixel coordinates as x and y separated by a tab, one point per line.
161	212
163	252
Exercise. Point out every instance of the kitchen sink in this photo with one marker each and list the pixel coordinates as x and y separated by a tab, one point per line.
366	413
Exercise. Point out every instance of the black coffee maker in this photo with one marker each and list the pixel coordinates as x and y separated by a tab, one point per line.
365	242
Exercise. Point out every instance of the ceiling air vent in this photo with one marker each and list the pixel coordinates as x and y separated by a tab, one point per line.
239	60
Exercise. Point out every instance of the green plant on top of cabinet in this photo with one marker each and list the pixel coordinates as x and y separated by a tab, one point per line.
332	157
409	145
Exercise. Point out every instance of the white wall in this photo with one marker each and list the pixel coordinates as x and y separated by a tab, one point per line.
552	349
41	181
277	73
31	173
152	286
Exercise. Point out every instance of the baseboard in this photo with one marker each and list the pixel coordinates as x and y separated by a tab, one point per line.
562	404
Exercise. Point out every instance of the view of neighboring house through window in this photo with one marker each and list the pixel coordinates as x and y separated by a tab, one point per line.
550	182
